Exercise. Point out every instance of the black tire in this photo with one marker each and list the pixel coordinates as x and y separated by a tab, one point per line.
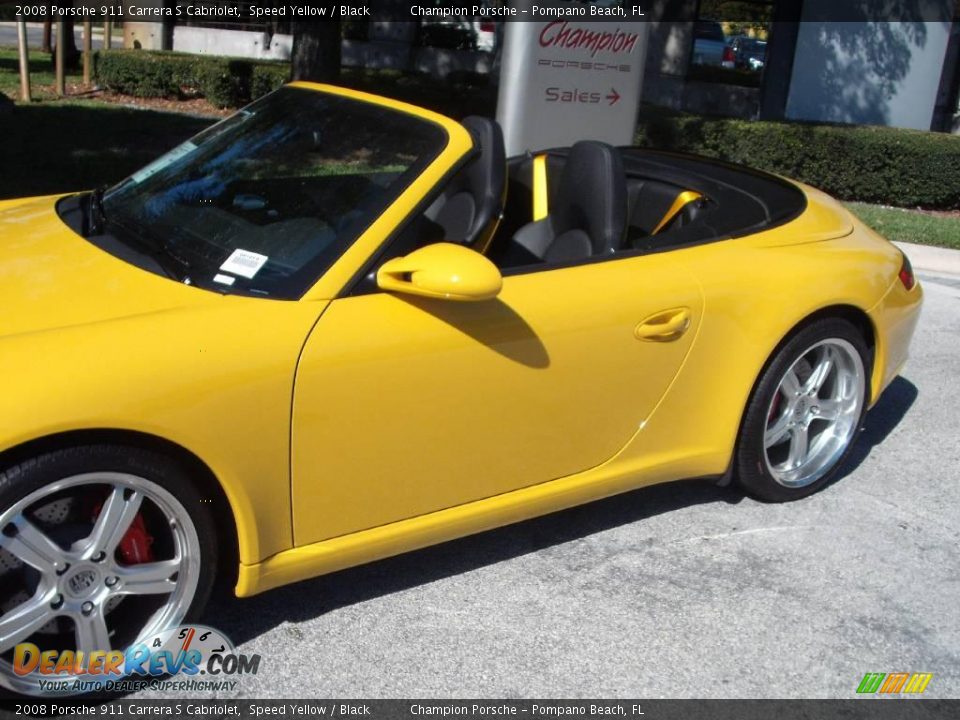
751	468
31	476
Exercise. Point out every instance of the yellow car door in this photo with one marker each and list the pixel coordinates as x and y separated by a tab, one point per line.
404	406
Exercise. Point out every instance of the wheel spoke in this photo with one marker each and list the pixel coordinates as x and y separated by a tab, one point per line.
830	410
799	439
821	372
24	620
115	517
149	578
92	633
790	385
31	545
779	430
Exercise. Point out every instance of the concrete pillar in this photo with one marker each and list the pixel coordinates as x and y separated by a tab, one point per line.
668	51
146	35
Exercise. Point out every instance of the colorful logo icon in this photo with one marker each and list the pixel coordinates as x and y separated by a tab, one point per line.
894	683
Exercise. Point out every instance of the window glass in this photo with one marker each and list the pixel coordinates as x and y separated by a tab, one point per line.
265	201
730	51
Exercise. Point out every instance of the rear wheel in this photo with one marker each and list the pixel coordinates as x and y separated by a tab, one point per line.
99	547
805	412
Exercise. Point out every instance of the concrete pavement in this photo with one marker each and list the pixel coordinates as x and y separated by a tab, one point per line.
932	259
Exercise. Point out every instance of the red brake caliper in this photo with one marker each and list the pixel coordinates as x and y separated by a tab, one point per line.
135	544
774	408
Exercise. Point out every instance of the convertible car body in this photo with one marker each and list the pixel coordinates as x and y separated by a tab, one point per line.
335	327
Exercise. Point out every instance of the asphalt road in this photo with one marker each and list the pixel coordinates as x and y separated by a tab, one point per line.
8	35
682	590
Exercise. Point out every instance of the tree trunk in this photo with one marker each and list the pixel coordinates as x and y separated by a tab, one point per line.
277	26
71	55
316	50
47	42
166	31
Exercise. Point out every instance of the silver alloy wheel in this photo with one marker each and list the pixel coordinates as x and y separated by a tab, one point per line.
84	582
814	413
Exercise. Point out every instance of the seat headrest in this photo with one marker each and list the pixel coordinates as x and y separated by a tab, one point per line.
474	198
592	196
486	134
486	174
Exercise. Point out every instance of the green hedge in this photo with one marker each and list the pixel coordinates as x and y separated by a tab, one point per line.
225	82
232	82
906	168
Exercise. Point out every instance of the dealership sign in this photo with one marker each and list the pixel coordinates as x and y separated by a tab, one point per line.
565	80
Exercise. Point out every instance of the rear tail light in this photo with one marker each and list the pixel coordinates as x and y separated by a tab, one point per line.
906	273
488	27
728	56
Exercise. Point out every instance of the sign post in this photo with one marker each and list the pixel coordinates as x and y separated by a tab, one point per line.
563	79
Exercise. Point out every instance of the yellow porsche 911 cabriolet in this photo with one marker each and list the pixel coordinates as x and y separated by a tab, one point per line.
335	327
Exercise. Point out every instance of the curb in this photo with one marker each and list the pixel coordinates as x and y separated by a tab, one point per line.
932	259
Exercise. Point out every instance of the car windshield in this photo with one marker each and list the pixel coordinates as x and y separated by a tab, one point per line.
265	201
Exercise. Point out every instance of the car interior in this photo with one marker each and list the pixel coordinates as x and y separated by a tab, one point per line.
592	201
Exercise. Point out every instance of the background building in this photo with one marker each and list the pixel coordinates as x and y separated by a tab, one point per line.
823	61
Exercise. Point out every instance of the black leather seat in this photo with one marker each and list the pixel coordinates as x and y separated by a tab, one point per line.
472	202
587	214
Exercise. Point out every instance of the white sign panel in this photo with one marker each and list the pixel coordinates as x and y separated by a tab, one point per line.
565	79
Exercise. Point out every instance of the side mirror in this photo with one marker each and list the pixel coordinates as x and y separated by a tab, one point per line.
443	270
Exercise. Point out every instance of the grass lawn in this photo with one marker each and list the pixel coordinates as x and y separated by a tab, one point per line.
909	225
63	146
41	74
50	146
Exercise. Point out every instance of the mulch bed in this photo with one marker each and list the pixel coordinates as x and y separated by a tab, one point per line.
192	106
940	213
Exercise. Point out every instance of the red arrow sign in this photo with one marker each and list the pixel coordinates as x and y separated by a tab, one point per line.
613	96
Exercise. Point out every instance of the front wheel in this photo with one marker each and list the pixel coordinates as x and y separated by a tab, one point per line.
99	547
805	413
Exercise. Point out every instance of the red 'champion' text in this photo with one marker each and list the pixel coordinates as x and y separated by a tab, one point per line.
559	33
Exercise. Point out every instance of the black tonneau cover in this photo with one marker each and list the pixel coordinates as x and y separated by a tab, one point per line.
746	201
